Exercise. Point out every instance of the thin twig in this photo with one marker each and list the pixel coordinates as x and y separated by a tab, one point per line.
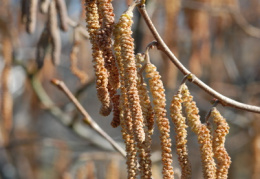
225	101
87	118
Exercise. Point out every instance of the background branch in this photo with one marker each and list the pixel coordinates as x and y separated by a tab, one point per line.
65	120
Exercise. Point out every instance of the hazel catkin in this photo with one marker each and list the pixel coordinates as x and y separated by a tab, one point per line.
93	26
181	134
159	101
128	68
223	160
202	132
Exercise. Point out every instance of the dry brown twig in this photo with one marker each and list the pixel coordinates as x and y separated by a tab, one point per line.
87	118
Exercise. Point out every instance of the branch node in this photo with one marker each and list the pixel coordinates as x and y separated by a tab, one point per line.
214	103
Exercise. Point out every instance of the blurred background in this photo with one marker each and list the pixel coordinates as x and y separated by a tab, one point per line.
42	135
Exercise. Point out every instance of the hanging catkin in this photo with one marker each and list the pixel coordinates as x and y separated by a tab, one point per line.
203	133
148	114
106	17
123	36
106	22
159	101
54	33
181	134
222	158
92	19
126	122
31	16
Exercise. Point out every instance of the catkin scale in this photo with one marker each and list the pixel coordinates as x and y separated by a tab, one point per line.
223	160
159	101
181	134
54	33
93	26
116	111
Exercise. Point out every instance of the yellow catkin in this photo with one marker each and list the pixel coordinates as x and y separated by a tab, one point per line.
145	102
159	101
148	114
105	41
6	96
203	133
181	134
63	14
93	26
54	33
123	36
31	16
222	158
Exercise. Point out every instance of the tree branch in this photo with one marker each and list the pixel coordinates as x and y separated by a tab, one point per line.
225	101
87	118
77	128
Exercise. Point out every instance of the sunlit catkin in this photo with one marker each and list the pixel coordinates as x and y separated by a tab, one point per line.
31	16
203	133
159	101
148	114
93	26
54	33
63	15
129	69
222	158
181	134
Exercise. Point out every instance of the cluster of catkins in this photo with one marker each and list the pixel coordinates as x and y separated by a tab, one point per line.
210	146
121	88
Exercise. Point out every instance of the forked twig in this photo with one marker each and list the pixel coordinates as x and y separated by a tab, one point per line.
87	118
225	101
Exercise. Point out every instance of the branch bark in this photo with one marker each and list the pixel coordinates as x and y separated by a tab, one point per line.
225	101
